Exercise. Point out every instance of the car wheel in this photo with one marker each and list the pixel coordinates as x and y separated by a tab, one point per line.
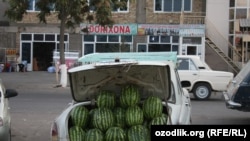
202	91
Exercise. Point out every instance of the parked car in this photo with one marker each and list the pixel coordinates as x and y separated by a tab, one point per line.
153	74
237	95
203	79
5	118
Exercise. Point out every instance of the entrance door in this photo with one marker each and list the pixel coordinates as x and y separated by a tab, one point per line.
43	55
192	50
26	55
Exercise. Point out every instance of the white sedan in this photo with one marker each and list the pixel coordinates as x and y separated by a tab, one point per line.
5	119
203	79
154	74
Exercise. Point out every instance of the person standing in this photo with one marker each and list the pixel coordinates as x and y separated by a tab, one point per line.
19	63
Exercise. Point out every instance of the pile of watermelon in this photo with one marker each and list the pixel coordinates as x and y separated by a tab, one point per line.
123	118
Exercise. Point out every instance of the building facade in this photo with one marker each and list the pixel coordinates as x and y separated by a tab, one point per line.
144	26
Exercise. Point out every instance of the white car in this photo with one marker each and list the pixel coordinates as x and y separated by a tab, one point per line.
5	119
153	73
203	79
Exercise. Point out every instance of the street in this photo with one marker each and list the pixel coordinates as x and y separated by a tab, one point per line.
40	101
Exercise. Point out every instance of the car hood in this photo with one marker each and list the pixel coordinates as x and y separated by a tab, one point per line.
151	78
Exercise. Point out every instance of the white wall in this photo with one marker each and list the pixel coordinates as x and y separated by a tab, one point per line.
218	14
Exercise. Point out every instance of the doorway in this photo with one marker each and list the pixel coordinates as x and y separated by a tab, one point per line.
42	55
191	50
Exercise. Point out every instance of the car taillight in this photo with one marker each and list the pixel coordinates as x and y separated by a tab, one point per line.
1	122
54	132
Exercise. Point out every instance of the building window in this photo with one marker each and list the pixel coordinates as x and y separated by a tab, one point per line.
232	3
115	8
163	43
89	38
141	48
107	43
88	48
26	37
32	6
172	5
123	8
38	37
113	38
159	47
241	13
65	37
101	38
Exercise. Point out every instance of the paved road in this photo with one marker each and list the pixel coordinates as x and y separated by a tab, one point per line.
39	102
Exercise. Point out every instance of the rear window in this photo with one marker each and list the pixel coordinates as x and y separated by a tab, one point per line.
246	80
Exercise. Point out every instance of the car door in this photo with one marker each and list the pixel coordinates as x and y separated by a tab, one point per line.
188	71
4	108
181	109
185	102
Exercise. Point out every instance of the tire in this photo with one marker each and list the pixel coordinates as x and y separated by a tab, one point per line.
202	91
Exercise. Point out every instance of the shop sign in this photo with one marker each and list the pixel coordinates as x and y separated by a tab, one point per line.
116	29
11	51
158	29
171	30
192	32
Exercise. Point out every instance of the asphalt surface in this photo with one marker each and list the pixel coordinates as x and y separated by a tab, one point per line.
38	103
38	80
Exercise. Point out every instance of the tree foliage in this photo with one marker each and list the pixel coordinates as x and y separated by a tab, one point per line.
69	12
72	11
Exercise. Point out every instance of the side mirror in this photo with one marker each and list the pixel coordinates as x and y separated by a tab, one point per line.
10	93
185	84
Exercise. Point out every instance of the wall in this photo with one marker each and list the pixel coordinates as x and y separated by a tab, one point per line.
217	15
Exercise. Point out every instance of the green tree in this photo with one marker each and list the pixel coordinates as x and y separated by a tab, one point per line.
70	13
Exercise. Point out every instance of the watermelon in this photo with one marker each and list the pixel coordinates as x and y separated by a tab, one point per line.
106	99
119	117
138	133
94	135
134	115
129	96
115	134
91	113
76	133
79	116
152	107
103	118
161	120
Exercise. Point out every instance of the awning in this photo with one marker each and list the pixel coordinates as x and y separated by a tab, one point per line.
244	22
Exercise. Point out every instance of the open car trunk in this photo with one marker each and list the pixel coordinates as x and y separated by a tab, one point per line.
151	80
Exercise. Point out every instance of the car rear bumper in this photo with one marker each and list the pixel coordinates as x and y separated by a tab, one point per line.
231	104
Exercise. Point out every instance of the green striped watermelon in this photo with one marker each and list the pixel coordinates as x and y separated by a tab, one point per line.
91	113
103	118
161	120
152	107
94	135
106	99
79	116
134	115
138	133
115	134
119	117
130	96
76	133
